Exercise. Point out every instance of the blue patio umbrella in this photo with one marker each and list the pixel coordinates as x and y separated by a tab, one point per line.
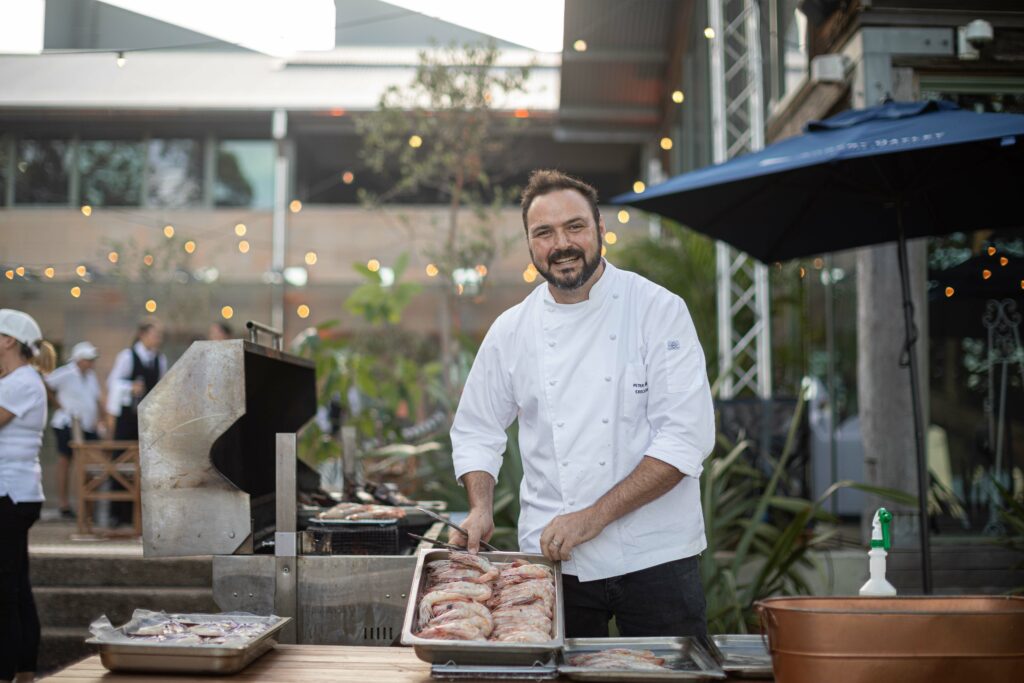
862	177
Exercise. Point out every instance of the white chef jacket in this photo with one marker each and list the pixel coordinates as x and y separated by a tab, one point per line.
78	394
596	385
119	381
21	476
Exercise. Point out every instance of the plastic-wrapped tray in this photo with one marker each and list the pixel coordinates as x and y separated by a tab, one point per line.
481	652
685	658
119	652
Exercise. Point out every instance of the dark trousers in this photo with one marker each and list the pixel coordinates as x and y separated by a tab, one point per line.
19	621
664	600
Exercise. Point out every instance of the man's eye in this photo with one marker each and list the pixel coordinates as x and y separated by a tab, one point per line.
576	227
542	233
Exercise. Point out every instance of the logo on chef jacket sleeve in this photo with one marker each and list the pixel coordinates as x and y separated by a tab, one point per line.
672	345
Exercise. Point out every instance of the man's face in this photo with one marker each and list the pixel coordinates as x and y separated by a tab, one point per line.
152	338
564	242
86	364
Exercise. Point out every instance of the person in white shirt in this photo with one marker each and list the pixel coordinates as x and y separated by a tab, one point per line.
604	371
23	354
77	393
136	371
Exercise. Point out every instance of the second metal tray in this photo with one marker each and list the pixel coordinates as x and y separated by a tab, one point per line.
686	659
744	655
481	652
191	659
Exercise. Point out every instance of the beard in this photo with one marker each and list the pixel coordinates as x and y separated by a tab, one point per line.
571	281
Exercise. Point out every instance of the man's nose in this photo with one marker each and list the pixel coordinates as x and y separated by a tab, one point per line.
561	239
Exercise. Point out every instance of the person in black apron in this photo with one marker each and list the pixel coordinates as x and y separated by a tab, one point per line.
136	371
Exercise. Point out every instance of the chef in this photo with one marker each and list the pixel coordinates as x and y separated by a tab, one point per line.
606	375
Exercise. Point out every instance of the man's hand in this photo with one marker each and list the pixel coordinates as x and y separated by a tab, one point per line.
480	525
565	532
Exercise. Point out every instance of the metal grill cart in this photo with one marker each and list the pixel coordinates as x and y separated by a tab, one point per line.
220	477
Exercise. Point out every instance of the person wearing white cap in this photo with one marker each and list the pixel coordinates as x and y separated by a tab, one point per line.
23	354
77	393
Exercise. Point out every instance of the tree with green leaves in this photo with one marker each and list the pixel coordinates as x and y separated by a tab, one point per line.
441	135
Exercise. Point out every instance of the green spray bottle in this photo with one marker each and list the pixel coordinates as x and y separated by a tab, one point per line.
880	542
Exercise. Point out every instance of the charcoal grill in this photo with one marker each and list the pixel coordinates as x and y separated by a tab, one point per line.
220	477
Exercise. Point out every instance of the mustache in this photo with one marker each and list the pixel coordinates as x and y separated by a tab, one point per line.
565	253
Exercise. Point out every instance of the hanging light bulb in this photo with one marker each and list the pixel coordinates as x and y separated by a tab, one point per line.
666	143
295	206
709	33
120	59
76	291
639	186
20	270
310	258
415	141
49	272
168	231
190	247
243	246
302	311
226	312
610	237
373	265
151	306
623	216
432	270
678	96
240	229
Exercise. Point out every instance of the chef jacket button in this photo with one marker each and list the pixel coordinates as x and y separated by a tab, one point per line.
612	337
572	502
553	382
607	378
565	463
561	424
551	343
601	463
604	420
615	296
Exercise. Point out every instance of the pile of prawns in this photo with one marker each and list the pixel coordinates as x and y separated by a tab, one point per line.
466	597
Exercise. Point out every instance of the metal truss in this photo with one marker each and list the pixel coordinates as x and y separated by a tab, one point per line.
737	123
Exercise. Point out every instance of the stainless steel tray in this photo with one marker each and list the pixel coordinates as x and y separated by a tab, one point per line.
686	658
171	658
744	656
481	652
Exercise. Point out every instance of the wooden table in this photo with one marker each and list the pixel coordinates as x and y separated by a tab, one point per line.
287	664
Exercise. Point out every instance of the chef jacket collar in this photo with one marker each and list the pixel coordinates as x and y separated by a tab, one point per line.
601	290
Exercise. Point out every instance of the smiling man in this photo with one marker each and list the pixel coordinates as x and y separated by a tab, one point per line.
606	375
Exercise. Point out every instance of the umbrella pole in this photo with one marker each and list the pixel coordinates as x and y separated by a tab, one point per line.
915	398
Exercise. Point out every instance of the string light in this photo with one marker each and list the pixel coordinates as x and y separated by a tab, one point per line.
302	311
415	141
580	45
81	271
709	33
459	289
240	229
604	250
481	270
226	312
49	272
986	274
522	113
112	257
373	265
529	275
148	259
86	210
678	96
639	186
243	246
819	263
610	237
803	272
120	59
310	258
347	177
151	306
190	247
991	251
76	291
666	144
20	270
9	274
623	216
949	292
337	112
295	206
168	231
1003	260
432	270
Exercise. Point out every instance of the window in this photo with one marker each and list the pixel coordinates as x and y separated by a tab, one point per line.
245	173
41	172
111	172
174	173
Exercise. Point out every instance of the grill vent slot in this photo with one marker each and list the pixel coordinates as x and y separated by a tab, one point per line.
378	633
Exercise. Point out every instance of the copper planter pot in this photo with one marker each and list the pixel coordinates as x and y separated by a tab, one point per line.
973	639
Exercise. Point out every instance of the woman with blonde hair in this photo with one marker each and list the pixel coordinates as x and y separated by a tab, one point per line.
23	356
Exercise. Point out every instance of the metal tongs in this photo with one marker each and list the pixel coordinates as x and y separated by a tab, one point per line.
448	522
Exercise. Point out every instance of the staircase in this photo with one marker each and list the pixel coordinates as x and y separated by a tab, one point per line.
73	587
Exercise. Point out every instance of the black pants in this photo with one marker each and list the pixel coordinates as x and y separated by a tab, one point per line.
63	435
19	621
664	600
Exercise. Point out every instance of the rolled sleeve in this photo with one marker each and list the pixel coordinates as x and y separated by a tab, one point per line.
485	411
680	410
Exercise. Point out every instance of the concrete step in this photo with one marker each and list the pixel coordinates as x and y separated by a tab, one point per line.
62	647
83	570
78	606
